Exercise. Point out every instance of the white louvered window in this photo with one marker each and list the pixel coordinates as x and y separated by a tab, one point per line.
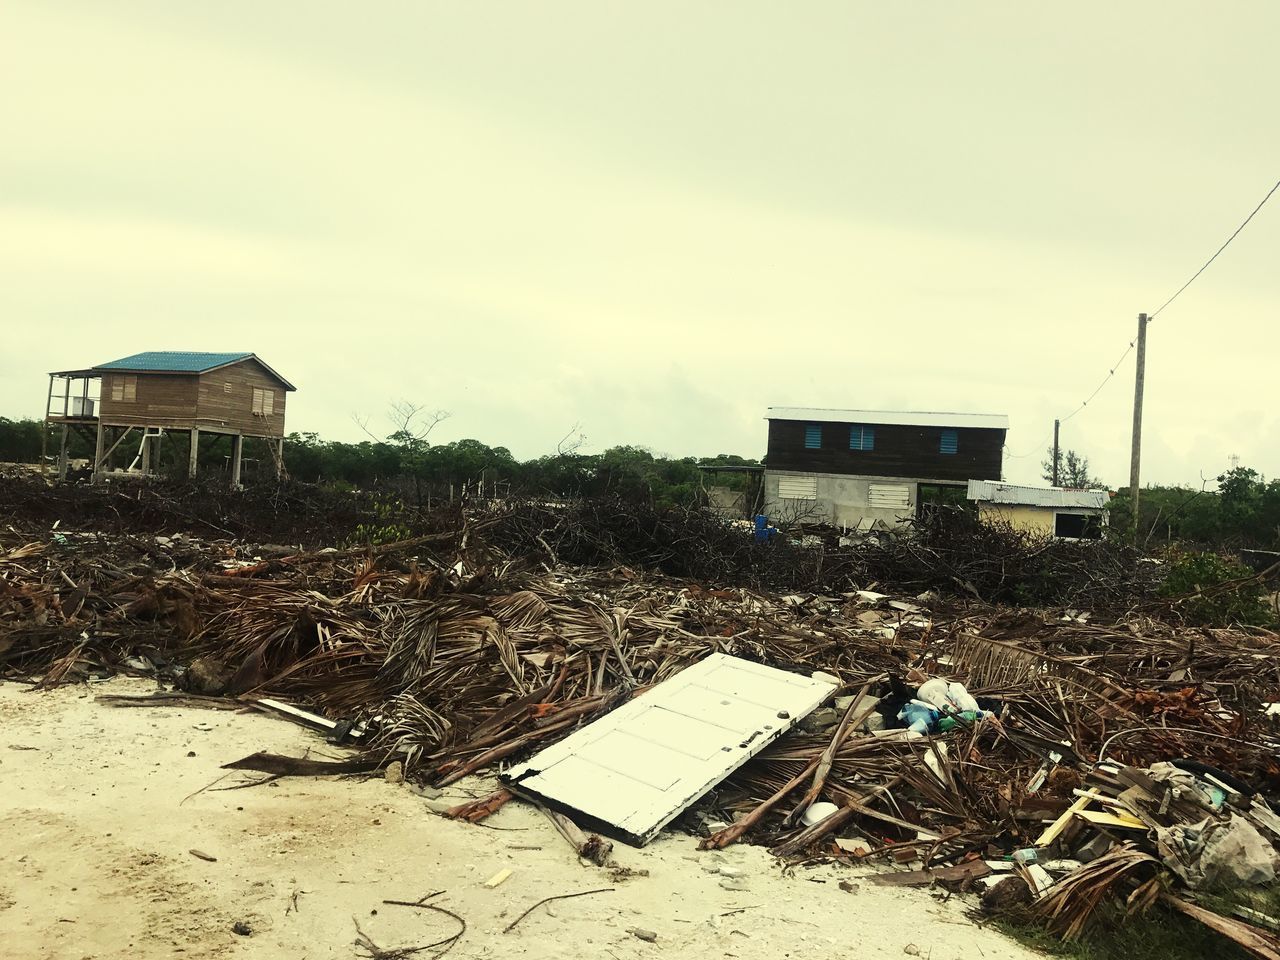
263	402
797	488
889	496
124	389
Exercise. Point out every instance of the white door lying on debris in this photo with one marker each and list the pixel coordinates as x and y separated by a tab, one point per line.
633	771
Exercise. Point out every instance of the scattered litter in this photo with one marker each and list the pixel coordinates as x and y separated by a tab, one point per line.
499	878
461	661
818	812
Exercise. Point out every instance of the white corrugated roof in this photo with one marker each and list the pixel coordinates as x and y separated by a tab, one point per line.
906	418
993	491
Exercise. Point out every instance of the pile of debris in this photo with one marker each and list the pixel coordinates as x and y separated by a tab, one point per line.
947	550
1084	756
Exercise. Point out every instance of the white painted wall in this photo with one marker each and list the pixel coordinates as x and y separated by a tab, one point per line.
841	499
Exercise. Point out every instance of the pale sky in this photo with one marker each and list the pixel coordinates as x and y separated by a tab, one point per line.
657	219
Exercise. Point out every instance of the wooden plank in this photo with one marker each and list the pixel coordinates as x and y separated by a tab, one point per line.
1054	830
1101	819
112	449
972	870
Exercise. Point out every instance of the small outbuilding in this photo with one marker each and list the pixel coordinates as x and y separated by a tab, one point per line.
1044	511
130	404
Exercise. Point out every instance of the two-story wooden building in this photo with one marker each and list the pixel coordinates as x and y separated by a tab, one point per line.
128	405
852	468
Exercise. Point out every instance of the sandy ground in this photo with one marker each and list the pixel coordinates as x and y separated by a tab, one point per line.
97	819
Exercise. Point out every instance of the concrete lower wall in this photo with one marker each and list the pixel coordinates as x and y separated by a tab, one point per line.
841	500
726	501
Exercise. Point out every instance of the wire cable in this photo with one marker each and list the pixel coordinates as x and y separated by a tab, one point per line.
1096	390
1127	350
1220	249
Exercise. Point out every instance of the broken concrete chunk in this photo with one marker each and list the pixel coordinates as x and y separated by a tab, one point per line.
648	936
820	720
394	772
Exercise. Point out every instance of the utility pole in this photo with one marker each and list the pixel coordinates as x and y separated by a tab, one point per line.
1056	424
1135	457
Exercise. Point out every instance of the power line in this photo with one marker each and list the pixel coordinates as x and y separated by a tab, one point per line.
1220	249
1098	389
1116	366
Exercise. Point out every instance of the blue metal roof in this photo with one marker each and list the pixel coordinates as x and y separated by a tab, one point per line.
173	361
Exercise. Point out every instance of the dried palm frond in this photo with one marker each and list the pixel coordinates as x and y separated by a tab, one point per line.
410	729
1071	902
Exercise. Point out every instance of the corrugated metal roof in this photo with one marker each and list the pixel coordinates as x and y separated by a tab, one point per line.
173	361
906	418
993	491
184	361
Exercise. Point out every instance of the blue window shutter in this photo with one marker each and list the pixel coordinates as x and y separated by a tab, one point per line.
950	442
855	438
868	438
813	436
862	437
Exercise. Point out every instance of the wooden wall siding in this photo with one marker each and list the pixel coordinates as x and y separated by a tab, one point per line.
900	451
183	401
159	397
234	409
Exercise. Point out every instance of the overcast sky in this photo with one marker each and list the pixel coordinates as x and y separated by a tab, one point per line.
657	219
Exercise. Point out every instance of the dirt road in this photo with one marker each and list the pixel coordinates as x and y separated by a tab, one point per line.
99	809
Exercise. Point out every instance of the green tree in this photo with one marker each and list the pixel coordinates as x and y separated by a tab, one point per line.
20	440
1073	471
